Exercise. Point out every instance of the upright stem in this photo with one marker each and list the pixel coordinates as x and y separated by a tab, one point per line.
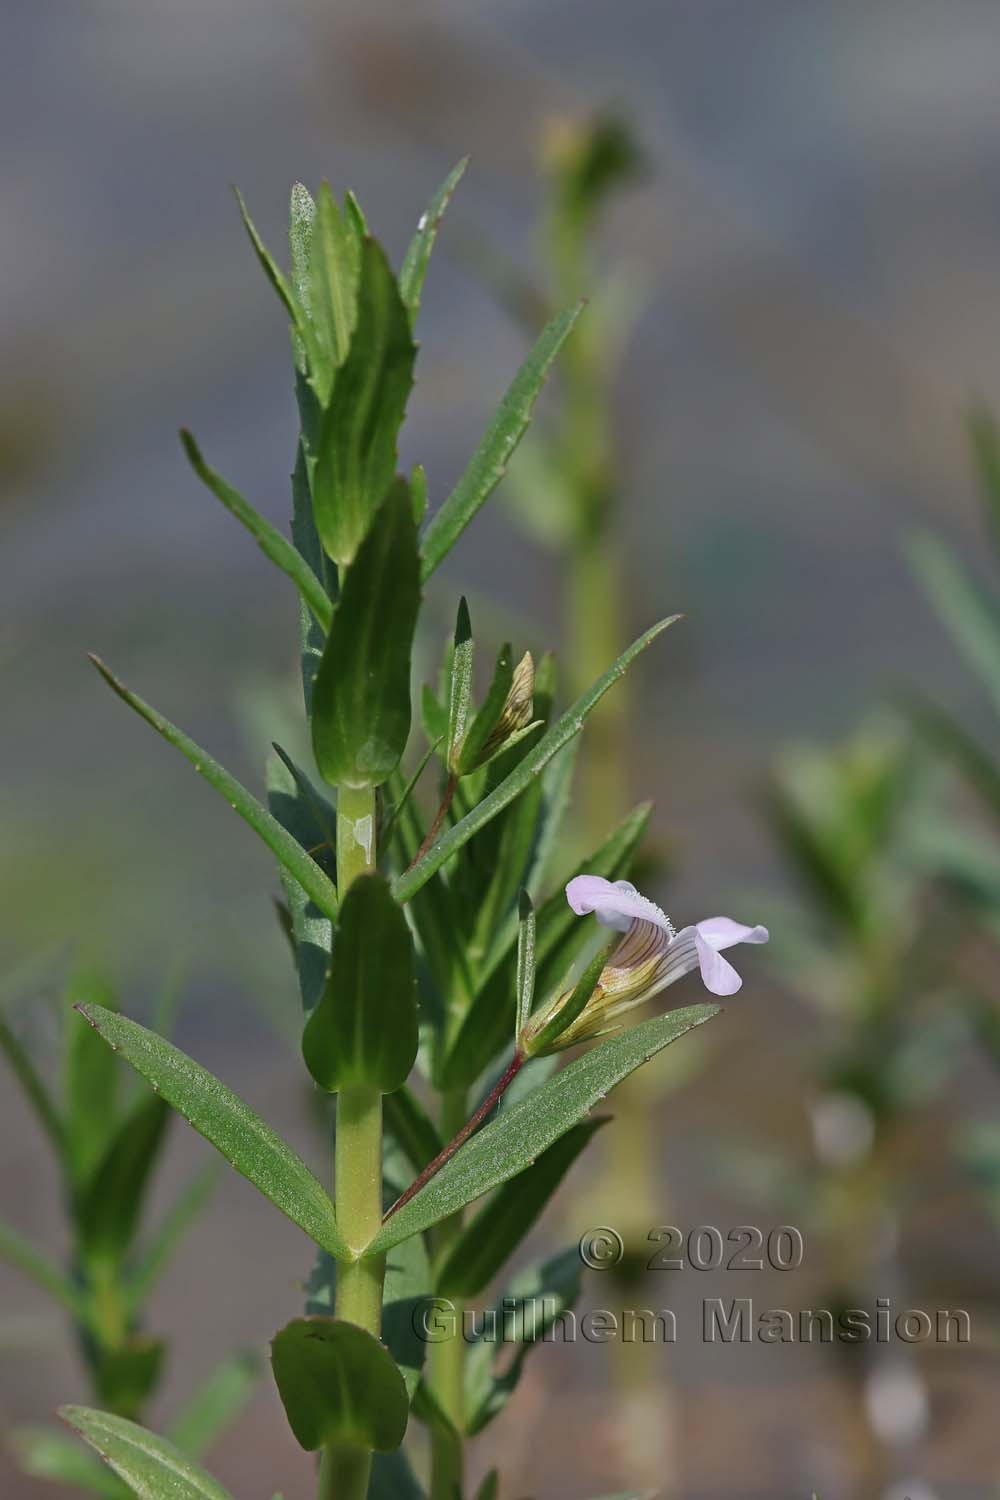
446	1360
345	1471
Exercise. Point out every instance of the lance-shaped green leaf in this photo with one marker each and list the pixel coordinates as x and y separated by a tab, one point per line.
339	1385
518	1136
269	266
90	1078
334	268
301	220
275	547
152	1468
525	982
494	1233
361	696
554	740
353	461
560	937
281	844
530	1306
971	619
109	1208
215	1403
34	1264
411	277
228	1123
363	1032
489	463
460	685
392	1478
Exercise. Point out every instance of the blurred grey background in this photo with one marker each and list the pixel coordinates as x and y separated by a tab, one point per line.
819	233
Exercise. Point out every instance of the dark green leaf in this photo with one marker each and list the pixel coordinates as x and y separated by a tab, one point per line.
17	1251
518	1136
392	1478
90	1079
494	1233
411	277
486	720
489	463
109	1207
153	1468
312	638
275	547
363	1032
333	288
490	1487
361	697
564	730
307	816
282	845
338	1385
215	1403
354	459
250	1146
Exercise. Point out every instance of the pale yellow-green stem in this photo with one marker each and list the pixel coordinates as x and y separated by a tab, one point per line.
344	1472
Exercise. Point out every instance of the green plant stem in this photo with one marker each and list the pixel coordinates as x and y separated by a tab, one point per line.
446	1360
345	1471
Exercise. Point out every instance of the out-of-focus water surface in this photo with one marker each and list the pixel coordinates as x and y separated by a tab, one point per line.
820	239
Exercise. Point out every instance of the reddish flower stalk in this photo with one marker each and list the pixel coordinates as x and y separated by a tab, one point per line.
439	818
492	1099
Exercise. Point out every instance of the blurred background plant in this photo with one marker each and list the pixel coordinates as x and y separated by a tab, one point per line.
958	846
107	1140
568	491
